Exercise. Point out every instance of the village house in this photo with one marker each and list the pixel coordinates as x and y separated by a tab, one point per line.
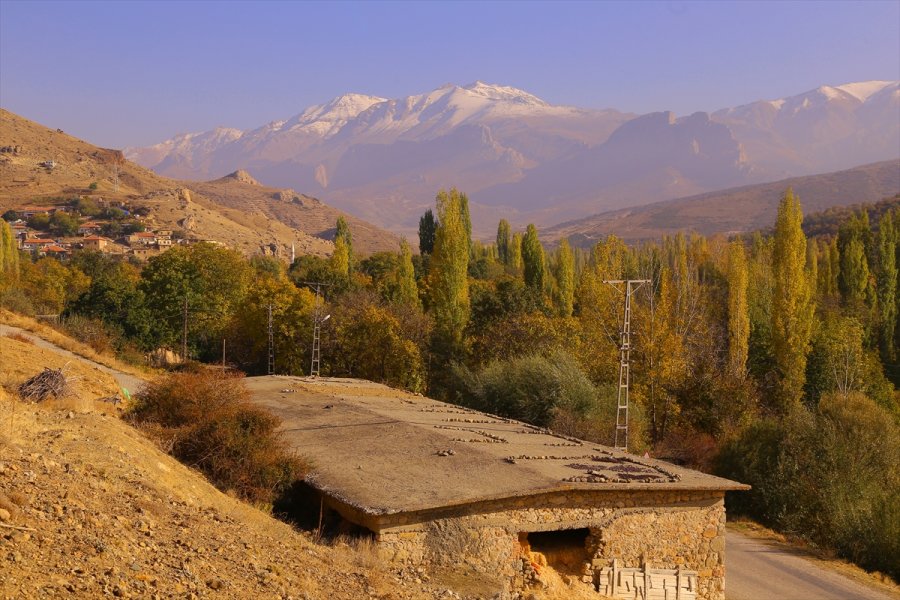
32	244
56	251
96	242
143	238
440	486
144	252
26	212
89	228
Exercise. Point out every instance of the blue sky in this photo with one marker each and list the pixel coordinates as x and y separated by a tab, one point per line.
134	73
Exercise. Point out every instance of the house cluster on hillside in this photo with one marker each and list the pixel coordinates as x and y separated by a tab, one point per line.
89	236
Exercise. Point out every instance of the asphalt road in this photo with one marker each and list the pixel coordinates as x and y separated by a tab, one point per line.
757	570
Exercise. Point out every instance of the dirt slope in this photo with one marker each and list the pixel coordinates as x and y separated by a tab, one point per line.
246	217
91	508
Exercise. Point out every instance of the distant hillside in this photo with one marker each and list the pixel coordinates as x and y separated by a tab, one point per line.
41	165
736	210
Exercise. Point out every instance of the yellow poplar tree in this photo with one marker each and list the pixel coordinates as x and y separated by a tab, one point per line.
792	301
565	278
515	251
738	315
449	284
9	256
407	291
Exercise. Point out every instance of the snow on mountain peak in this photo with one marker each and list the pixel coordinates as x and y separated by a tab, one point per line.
863	89
504	93
327	119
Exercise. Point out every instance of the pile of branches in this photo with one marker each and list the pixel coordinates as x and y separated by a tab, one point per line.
48	383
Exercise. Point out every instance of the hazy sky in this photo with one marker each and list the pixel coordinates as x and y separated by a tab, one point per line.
135	73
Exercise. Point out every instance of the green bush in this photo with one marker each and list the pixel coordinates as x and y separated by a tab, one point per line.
535	388
206	421
831	476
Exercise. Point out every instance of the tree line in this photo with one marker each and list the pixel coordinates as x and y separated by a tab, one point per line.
750	355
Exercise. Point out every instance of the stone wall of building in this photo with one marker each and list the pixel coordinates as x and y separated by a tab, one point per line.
667	529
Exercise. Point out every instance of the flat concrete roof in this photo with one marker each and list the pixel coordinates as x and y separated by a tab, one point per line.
386	451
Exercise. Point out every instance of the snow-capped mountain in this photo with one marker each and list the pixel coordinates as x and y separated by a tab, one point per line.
522	158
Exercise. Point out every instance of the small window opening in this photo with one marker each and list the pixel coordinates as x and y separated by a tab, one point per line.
564	550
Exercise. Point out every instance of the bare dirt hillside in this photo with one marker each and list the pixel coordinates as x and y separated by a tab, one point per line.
39	165
240	191
735	210
91	508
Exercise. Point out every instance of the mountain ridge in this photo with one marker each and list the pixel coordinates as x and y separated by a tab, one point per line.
527	160
733	211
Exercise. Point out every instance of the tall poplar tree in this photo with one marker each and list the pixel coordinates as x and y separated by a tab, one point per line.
503	241
407	291
888	246
449	284
515	251
533	259
342	231
565	278
738	314
9	256
427	227
792	302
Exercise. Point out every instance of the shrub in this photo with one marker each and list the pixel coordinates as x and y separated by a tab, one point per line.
831	476
536	389
206	421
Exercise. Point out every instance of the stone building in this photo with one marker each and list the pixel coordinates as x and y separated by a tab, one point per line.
445	487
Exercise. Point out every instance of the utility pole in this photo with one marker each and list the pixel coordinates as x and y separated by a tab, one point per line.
271	368
116	177
631	286
315	360
184	332
223	355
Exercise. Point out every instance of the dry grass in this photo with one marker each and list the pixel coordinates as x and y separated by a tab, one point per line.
22	360
20	338
63	341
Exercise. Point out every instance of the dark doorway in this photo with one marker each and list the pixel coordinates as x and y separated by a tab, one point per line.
565	550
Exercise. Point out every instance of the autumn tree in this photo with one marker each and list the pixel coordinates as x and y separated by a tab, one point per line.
292	309
9	257
738	315
888	247
503	241
533	259
449	285
515	251
342	257
407	290
565	279
792	302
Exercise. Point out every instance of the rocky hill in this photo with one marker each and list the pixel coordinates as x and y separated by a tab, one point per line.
735	210
521	158
40	165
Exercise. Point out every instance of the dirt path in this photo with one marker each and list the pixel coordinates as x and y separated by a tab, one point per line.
757	569
125	380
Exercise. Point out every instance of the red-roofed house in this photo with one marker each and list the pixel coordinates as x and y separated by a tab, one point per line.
37	243
57	251
89	228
